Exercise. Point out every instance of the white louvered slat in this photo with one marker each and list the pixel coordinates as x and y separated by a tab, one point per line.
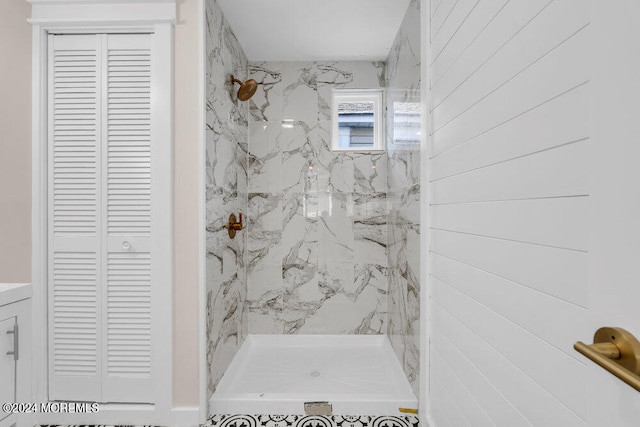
74	138
129	314
74	314
129	141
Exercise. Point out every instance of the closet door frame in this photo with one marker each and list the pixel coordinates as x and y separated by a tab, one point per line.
107	16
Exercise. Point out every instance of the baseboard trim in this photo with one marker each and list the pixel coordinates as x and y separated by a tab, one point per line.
182	416
186	416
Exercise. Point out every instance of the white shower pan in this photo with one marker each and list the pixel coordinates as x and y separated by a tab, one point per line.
277	374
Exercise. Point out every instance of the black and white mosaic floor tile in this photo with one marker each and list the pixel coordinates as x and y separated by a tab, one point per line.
311	421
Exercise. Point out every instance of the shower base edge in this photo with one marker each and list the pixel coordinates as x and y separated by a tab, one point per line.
277	374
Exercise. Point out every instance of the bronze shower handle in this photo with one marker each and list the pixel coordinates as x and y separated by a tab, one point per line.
234	226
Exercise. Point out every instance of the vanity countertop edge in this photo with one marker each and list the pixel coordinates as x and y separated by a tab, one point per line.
13	292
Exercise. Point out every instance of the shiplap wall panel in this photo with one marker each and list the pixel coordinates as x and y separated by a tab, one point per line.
505	25
558	222
556	272
435	5
459	14
560	172
509	245
477	20
517	303
450	413
495	405
558	373
440	14
565	119
562	20
536	404
469	407
561	70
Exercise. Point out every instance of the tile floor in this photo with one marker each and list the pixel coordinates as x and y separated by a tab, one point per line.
311	421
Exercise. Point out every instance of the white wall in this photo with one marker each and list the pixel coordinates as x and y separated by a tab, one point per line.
15	142
509	214
613	289
187	194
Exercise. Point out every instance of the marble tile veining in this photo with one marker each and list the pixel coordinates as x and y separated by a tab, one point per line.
332	238
226	193
403	178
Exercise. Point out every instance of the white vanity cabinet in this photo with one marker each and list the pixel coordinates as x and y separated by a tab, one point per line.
15	373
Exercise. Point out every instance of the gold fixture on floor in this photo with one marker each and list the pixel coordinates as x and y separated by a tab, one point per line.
318	408
233	226
617	351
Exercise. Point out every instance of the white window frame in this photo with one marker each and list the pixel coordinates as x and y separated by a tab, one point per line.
104	16
339	96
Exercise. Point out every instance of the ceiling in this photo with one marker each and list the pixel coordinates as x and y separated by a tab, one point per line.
315	30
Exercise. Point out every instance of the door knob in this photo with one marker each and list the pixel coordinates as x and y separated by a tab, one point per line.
126	245
617	351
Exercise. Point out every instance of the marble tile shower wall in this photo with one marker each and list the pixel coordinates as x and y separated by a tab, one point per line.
317	241
403	148
226	193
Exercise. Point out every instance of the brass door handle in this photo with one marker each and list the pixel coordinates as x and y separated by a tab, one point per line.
617	351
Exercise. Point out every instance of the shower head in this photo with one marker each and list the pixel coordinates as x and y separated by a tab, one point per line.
247	89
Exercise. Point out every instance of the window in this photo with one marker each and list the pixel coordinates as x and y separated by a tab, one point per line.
357	120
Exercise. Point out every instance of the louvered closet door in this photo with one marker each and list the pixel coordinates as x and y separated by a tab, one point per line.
74	259
127	213
100	222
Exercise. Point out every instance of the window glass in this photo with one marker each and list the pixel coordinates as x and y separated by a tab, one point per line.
357	121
